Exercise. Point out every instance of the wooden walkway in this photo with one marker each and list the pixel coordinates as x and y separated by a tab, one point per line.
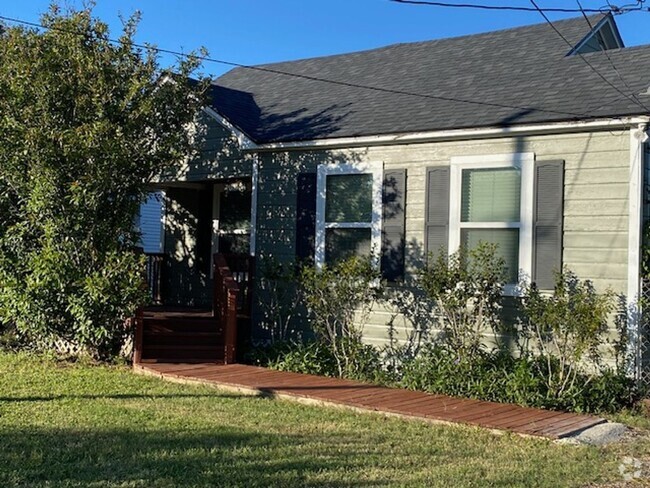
362	396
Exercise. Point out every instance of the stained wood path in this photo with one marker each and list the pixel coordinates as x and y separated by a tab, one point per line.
362	396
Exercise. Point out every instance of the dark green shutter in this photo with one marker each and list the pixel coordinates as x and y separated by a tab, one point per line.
393	220
547	225
306	216
436	232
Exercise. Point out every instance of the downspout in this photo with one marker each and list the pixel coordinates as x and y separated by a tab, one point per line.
638	137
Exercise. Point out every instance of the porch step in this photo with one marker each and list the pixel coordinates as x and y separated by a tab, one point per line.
156	338
175	325
172	336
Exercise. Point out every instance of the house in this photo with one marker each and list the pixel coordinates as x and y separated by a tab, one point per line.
533	138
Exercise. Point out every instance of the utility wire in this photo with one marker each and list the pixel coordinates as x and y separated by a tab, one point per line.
609	8
306	77
591	66
609	58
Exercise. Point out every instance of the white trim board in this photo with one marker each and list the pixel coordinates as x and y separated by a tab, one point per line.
455	134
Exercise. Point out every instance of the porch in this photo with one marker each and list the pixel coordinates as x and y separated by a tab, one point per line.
171	333
196	239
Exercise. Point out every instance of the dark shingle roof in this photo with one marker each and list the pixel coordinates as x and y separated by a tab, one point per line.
525	67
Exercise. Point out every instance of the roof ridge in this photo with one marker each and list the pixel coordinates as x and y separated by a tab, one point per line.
561	22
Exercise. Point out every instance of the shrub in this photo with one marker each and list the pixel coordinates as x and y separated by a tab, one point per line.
568	330
364	362
338	299
278	298
500	377
466	290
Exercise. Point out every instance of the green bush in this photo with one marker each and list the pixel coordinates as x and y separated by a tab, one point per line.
567	330
466	291
364	362
278	296
338	299
500	377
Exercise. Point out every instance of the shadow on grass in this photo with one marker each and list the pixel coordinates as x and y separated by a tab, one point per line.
220	457
116	396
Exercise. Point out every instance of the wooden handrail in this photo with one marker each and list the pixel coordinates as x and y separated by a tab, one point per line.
154	270
138	336
224	308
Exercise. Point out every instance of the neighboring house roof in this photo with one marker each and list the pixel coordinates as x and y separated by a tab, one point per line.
525	67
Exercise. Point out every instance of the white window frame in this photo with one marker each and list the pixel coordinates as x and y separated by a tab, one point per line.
330	169
522	161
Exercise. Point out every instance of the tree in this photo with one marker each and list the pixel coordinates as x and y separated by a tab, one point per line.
85	124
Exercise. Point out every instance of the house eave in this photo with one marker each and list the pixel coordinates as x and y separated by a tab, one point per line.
454	134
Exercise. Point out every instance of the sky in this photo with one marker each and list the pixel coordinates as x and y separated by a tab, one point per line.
265	31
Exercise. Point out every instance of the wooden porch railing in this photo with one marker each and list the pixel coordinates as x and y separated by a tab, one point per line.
226	293
154	270
138	323
242	267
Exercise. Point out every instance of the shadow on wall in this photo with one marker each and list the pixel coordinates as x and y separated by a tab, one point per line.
187	275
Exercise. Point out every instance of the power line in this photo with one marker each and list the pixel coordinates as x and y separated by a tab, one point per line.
591	66
304	77
609	8
609	58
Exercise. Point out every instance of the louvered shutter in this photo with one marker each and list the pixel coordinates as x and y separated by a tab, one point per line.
393	220
547	226
306	216
436	232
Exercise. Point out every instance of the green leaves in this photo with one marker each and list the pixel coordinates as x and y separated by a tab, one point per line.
85	124
466	290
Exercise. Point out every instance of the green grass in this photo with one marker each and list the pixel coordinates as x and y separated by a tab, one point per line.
65	424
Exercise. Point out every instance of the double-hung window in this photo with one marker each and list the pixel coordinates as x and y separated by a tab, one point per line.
492	201
348	212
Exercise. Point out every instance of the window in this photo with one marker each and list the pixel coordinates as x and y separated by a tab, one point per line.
348	212
492	201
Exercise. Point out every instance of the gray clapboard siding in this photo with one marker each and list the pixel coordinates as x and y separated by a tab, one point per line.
151	223
595	193
219	156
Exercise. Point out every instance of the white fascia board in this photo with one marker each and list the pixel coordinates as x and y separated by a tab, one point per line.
456	134
245	142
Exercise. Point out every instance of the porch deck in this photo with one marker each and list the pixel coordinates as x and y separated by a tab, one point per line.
367	397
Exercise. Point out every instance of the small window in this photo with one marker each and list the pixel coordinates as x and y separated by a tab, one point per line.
491	201
348	212
150	223
602	38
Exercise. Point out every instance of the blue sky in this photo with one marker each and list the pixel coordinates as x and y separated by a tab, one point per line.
263	31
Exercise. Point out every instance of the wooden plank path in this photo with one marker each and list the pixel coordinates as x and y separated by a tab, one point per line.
367	397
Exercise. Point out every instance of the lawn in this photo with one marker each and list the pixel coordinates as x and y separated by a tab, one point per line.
64	424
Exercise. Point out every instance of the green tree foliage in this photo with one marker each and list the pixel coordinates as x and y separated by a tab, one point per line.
85	124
